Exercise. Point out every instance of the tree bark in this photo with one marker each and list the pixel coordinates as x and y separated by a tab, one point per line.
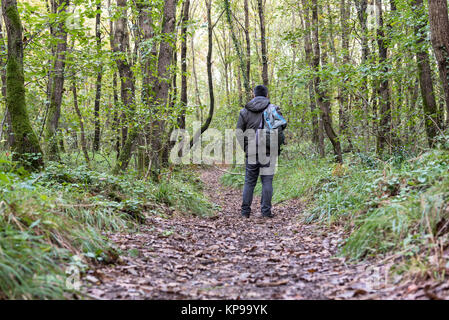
96	144
26	147
159	137
206	124
345	10
124	65
263	43
195	81
384	130
439	31
322	96
185	19
425	75
7	115
317	132
127	81
237	48
361	6
116	120
248	42
56	87
81	119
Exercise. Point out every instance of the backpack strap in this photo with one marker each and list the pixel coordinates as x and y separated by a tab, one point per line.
265	114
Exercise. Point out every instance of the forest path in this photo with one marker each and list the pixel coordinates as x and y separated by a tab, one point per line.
227	257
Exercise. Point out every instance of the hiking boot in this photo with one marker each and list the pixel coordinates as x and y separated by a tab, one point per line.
270	215
245	215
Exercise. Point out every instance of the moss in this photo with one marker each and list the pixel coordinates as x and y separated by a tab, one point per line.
13	16
125	155
26	144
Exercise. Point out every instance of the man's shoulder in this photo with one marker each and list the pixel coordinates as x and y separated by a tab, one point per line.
243	111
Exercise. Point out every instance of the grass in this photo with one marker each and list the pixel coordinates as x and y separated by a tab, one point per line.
394	206
55	220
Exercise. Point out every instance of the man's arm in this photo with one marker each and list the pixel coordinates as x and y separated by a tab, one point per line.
241	128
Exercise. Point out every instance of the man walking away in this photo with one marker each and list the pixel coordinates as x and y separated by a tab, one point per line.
251	120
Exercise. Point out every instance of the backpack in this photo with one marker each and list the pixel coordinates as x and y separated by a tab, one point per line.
272	121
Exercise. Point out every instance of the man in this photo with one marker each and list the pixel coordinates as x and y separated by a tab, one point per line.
250	120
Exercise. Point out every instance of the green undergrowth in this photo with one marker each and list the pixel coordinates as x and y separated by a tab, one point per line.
56	221
394	206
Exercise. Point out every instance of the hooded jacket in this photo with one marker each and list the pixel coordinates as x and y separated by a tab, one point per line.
250	117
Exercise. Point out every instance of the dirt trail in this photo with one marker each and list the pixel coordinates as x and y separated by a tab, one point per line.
227	257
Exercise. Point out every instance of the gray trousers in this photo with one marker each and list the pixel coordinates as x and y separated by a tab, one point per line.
251	176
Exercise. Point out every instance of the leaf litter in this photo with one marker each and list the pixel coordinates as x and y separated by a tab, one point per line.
228	257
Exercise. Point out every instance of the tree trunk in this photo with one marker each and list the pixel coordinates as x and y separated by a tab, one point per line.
26	145
248	42
124	65
81	119
185	19
317	133
439	31
384	130
159	138
96	144
7	115
127	81
237	48
425	75
116	119
263	43
322	96
195	78
345	10
206	124
56	85
362	14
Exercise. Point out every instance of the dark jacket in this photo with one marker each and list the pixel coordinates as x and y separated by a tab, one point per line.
250	117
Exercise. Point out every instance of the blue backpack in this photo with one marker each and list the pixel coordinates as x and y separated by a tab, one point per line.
272	121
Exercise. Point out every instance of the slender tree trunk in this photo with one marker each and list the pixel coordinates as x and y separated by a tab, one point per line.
96	144
345	9
160	92
317	132
239	85
237	48
439	31
223	53
124	65
127	82
361	6
26	147
384	131
7	115
81	119
322	97
248	42
185	19
206	124
195	81
116	120
330	31
425	76
263	43
56	85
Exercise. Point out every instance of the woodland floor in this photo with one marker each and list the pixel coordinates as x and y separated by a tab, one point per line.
227	257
